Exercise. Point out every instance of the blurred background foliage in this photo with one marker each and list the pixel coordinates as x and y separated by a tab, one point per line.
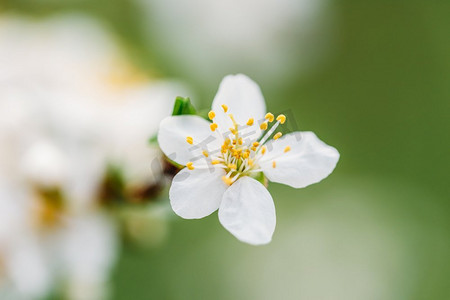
378	228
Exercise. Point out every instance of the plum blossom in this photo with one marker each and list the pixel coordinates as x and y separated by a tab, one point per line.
69	107
225	158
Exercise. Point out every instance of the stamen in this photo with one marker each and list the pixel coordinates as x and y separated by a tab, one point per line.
232	166
263	150
281	119
235	177
287	149
213	126
227	180
205	153
269	133
225	108
253	148
269	117
211	115
277	135
232	119
240	142
274	164
250	162
215	162
190	140
233	131
250	121
263	126
190	166
255	144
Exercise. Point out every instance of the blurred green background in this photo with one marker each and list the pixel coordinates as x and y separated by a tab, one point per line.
378	227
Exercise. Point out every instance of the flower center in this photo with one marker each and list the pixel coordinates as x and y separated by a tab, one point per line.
238	156
49	208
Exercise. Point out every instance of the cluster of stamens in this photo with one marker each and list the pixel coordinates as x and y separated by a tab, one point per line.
239	157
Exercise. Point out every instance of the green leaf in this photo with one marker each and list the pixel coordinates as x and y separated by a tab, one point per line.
183	106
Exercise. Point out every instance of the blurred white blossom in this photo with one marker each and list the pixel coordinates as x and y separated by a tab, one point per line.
271	38
70	106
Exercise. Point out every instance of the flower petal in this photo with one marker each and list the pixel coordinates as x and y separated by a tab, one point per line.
172	135
308	161
244	100
248	212
197	193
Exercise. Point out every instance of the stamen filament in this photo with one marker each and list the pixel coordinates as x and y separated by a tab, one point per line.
269	133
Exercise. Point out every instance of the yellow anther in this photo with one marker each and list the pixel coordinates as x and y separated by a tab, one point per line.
281	119
234	142
263	150
233	131
227	180
190	140
250	162
270	117
215	162
253	148
274	164
250	121
287	149
213	126
255	144
263	126
277	135
232	166
190	166
205	153
225	108
240	142
227	141
211	115
246	154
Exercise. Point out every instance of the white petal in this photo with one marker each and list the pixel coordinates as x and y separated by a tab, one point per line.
309	161
44	163
28	268
89	247
172	135
248	212
197	193
244	100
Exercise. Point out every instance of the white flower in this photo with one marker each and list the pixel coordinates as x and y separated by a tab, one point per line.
50	245
223	158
